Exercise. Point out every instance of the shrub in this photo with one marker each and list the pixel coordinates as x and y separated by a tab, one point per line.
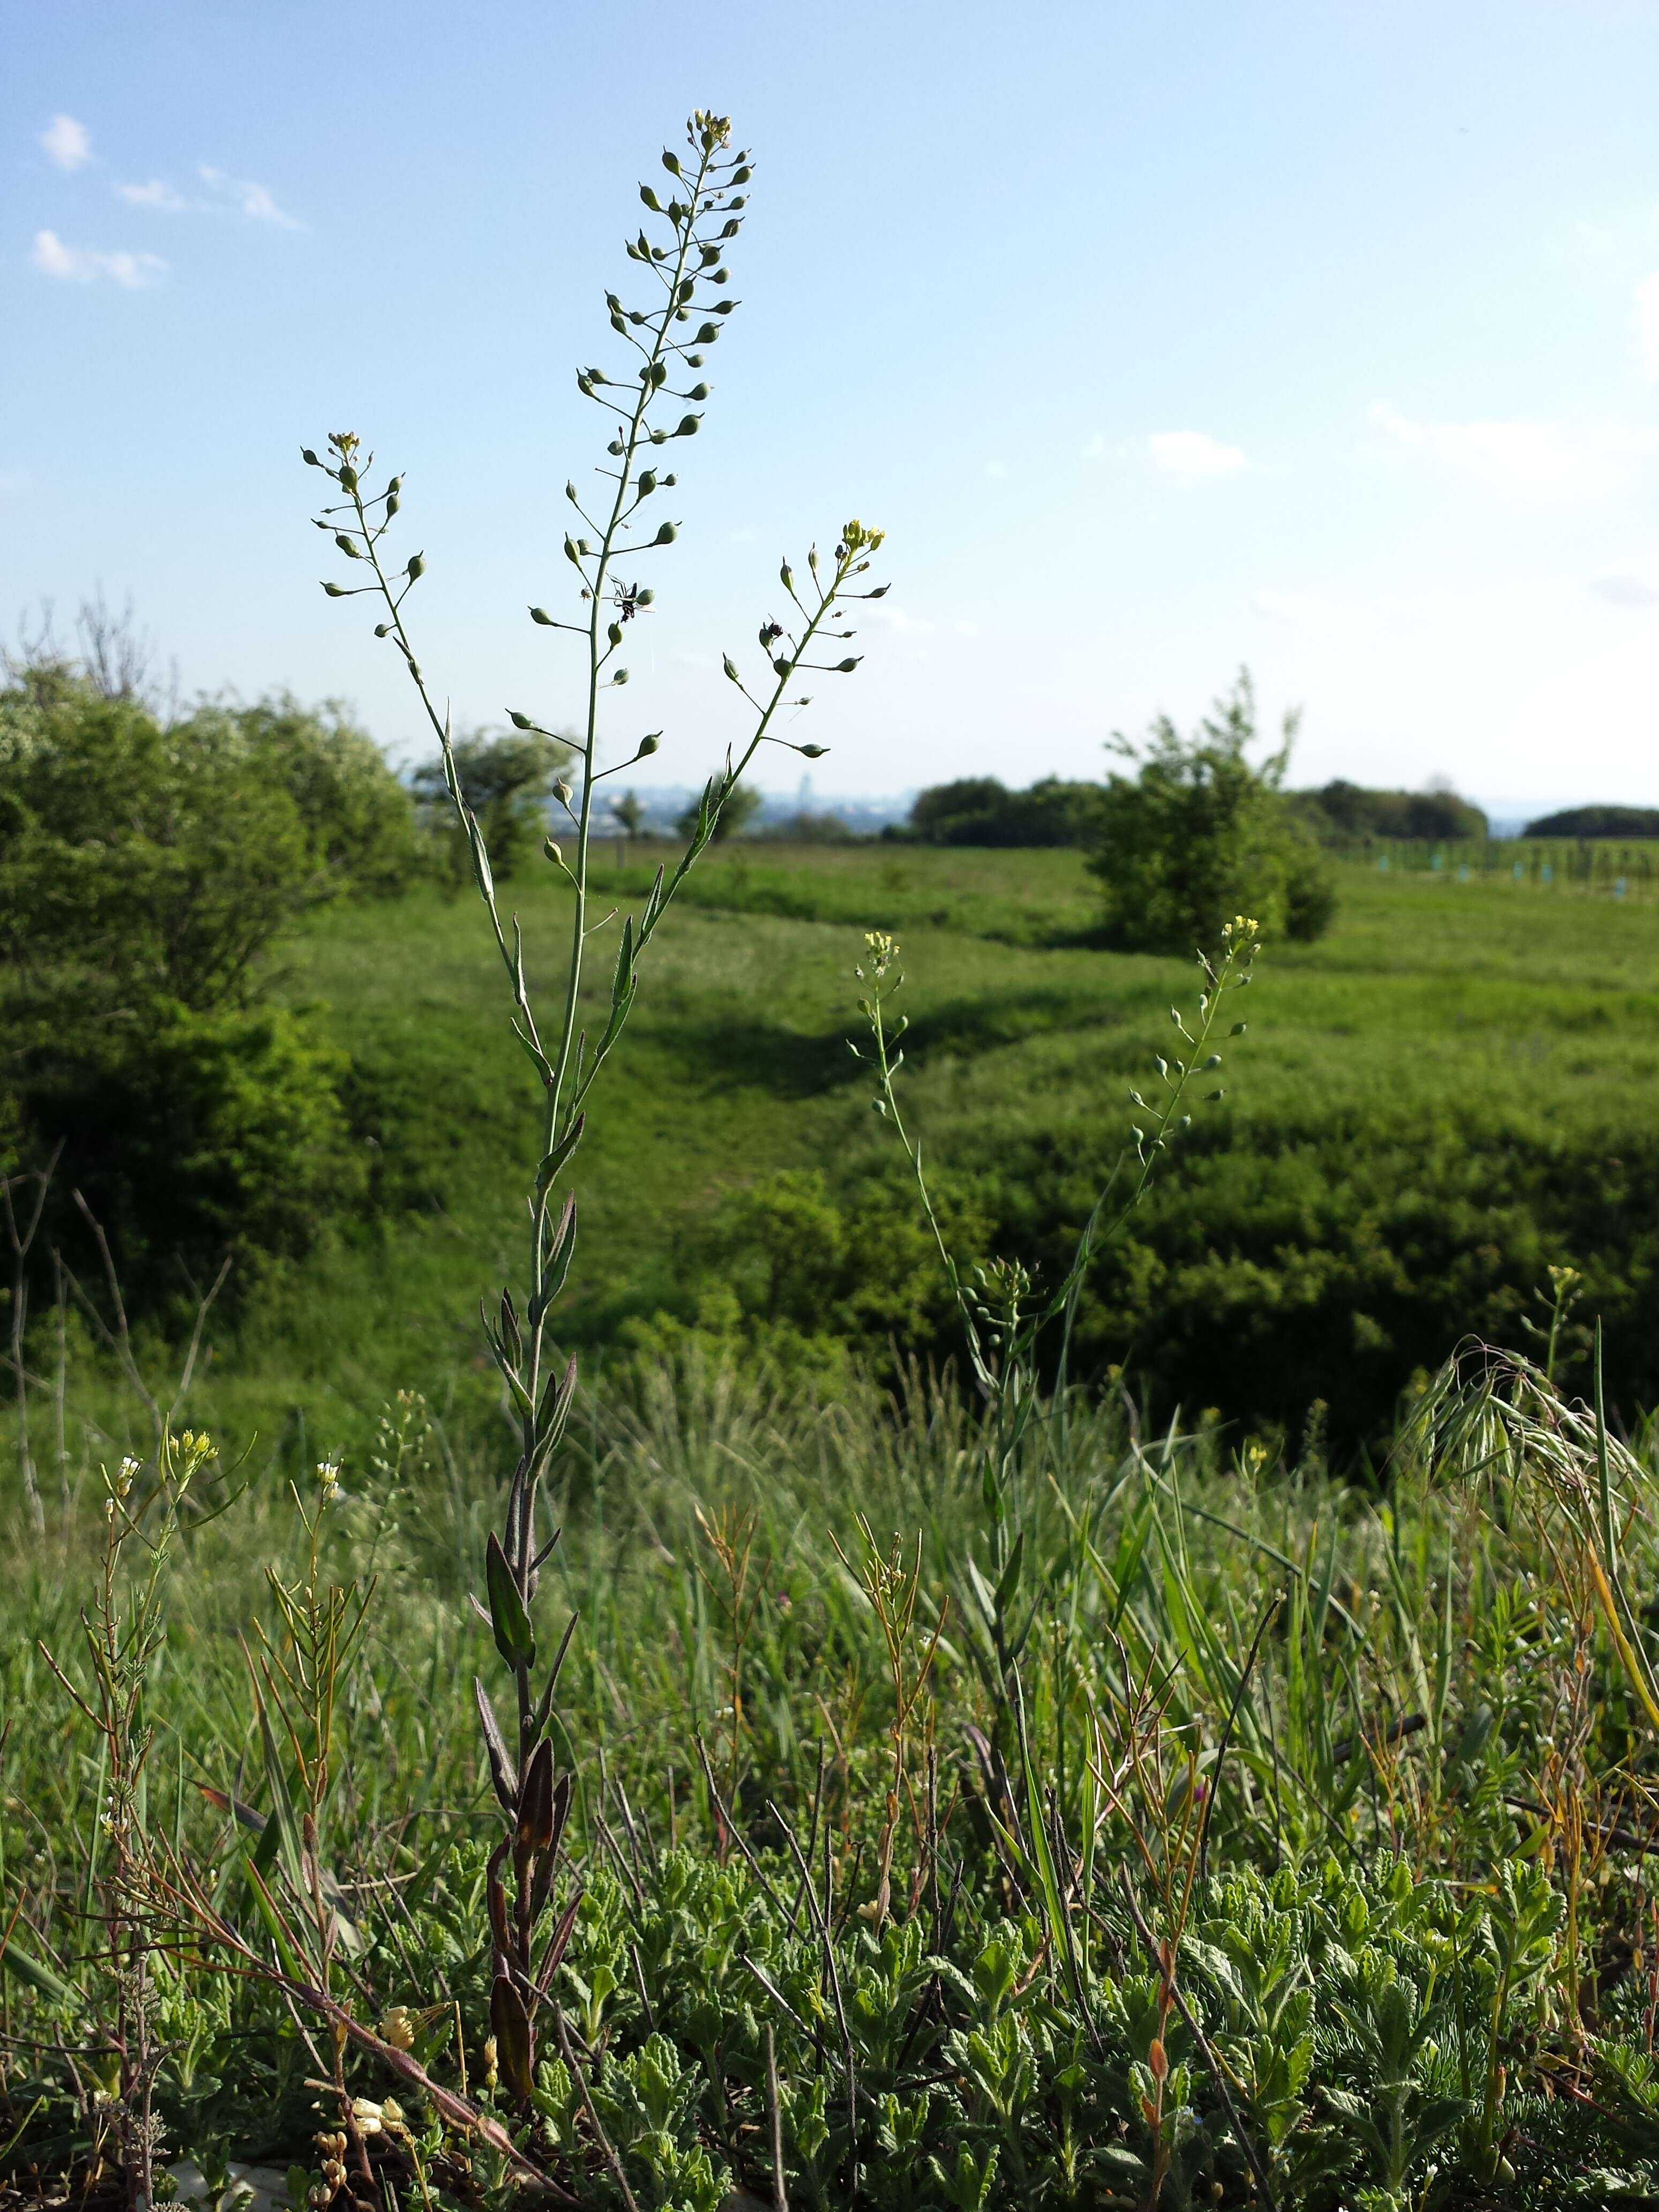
507	781
198	1135
145	872
1201	834
743	803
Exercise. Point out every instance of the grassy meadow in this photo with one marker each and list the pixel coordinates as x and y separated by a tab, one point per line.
1087	1806
1433	1105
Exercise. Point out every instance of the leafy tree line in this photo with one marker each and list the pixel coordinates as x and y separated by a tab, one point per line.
1597	822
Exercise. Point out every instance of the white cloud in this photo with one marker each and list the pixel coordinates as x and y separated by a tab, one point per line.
1626	590
155	194
1191	456
66	144
1519	455
1646	307
80	265
252	200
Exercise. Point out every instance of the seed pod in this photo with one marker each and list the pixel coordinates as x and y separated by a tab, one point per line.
383	629
698	392
309	458
846	667
551	852
540	615
335	591
520	721
649	745
730	668
665	534
688	426
651	199
647	483
416	568
812	752
614	634
346	546
671	162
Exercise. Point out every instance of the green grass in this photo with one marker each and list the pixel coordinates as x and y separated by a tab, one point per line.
1445	1097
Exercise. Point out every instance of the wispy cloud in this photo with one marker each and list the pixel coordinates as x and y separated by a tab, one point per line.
1520	455
1193	456
223	194
155	194
82	265
248	198
1645	306
1626	590
66	144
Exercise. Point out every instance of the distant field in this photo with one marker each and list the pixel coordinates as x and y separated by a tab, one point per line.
1451	1091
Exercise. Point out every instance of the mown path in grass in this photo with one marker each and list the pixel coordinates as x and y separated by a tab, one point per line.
1487	1041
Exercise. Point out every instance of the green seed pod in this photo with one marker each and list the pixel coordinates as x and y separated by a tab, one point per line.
614	634
392	505
416	568
665	534
783	664
812	752
741	177
551	852
335	591
383	629
846	667
651	199
647	483
309	458
346	546
520	721
687	427
730	668
671	162
621	677
649	745
698	392
644	598
540	615
707	335
347	478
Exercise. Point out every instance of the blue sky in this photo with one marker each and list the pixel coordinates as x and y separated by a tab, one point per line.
1160	338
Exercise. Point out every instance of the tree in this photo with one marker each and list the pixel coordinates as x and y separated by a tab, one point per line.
741	804
628	809
980	810
1597	822
507	780
1200	834
1340	811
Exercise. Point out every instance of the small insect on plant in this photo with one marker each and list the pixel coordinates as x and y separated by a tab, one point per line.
681	259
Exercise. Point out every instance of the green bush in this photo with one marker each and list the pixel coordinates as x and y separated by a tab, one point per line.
1201	834
195	1136
145	873
1597	822
507	781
